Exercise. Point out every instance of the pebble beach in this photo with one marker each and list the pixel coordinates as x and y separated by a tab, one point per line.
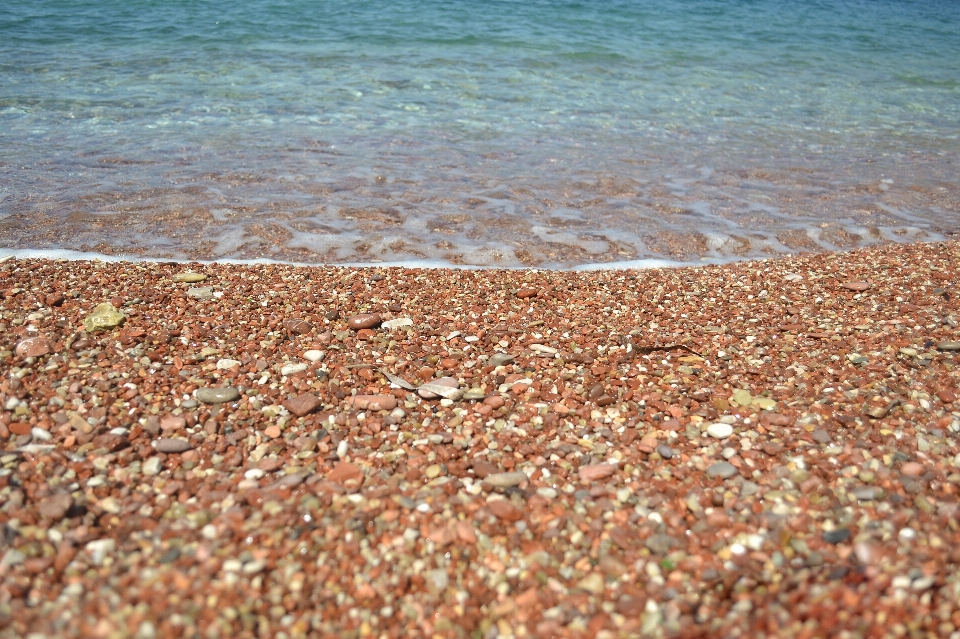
760	449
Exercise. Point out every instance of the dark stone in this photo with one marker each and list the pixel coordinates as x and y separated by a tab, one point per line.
836	536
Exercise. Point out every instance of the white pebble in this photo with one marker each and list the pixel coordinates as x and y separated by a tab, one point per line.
291	369
227	364
342	449
314	356
720	430
397	323
547	493
907	534
152	466
253	473
728	452
209	532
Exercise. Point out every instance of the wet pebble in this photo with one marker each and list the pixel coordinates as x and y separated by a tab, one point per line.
364	320
33	347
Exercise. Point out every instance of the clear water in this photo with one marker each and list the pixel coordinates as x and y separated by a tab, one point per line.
477	132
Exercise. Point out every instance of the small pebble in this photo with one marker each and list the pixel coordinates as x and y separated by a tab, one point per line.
209	395
398	322
720	430
505	480
665	451
293	369
364	320
314	356
837	535
189	277
723	470
172	445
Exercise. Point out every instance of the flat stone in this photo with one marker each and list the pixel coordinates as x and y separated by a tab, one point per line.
201	293
209	395
946	396
448	387
506	480
665	451
723	470
55	507
867	493
505	509
297	326
595	472
524	293
33	347
103	318
364	320
314	356
293	369
397	323
303	404
499	359
344	472
189	277
858	286
837	536
821	436
541	348
173	422
227	364
171	445
373	402
474	393
949	346
720	430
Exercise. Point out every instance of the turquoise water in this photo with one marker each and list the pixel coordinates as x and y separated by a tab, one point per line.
491	133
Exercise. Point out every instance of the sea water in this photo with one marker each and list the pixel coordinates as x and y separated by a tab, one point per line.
489	133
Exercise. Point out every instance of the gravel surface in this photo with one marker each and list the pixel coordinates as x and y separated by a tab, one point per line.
766	448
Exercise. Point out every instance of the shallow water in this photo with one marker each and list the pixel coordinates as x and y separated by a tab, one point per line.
483	133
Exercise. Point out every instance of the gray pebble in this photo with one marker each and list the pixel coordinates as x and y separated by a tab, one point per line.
949	346
499	359
506	480
659	543
170	445
836	536
723	470
820	436
217	395
201	293
867	493
665	451
189	403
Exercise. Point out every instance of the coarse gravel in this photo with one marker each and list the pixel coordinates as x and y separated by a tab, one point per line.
763	449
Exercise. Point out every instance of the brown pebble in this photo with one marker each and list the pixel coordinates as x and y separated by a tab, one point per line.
372	402
344	472
648	444
364	320
524	293
303	404
173	422
33	347
595	472
494	401
53	299
946	396
856	286
297	326
911	469
505	509
55	507
483	469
